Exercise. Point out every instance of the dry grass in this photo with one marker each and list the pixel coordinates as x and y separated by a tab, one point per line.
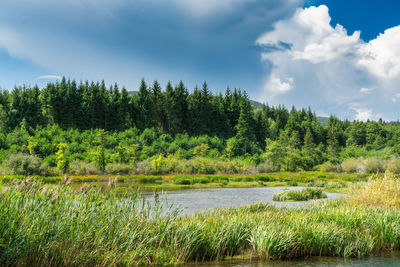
379	192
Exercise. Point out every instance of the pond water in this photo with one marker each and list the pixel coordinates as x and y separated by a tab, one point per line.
382	261
194	200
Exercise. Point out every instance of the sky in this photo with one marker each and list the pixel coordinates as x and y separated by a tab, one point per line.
337	57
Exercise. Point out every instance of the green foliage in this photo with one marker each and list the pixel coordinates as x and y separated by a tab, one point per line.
192	127
62	157
23	164
100	153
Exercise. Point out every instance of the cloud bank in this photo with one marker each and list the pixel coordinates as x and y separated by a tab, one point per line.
329	69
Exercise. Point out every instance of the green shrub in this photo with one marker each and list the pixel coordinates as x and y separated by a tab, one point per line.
351	165
373	165
393	165
24	164
266	167
78	167
117	168
328	167
262	178
182	181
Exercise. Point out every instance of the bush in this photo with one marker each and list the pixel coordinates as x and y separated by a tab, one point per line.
351	165
328	167
117	168
373	165
182	181
266	167
393	165
262	178
144	167
24	164
79	167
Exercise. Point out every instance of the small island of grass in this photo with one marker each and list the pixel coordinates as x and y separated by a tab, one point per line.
299	195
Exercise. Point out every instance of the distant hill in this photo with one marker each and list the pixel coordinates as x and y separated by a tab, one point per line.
256	104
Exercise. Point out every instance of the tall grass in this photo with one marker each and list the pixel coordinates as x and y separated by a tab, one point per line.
299	195
48	225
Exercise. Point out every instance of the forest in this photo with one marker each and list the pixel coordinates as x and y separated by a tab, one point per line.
89	128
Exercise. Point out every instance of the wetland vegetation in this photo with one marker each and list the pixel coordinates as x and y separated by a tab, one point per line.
299	195
57	225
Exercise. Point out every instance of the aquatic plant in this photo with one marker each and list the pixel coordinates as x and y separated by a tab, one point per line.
299	195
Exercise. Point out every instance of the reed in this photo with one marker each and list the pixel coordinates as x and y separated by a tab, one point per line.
54	225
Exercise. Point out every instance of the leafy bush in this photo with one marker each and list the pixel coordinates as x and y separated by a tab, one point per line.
78	167
328	167
262	178
182	181
117	168
23	164
373	165
267	167
351	165
393	165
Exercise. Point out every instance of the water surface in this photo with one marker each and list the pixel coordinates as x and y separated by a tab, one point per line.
194	200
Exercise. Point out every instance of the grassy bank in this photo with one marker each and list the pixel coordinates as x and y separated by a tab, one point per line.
332	182
60	226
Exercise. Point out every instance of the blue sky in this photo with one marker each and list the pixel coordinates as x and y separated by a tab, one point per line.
287	52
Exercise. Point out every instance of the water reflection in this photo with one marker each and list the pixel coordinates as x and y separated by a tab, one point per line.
382	261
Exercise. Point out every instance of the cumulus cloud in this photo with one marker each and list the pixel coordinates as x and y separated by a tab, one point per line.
329	65
276	86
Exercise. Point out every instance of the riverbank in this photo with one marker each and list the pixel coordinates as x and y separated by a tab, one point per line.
58	225
331	182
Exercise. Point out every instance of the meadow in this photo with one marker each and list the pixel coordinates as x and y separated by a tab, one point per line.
57	225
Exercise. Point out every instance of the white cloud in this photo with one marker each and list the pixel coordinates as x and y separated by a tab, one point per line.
277	86
381	56
365	90
330	67
362	114
49	77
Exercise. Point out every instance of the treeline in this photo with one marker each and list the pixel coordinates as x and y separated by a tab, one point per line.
153	122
